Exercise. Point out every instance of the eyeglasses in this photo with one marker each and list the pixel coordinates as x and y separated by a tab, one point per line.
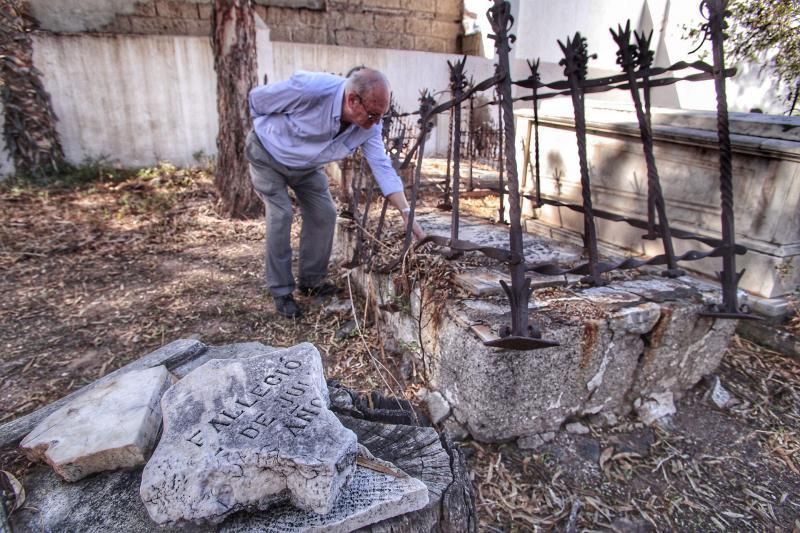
372	117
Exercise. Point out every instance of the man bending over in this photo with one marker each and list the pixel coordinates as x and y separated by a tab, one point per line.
299	125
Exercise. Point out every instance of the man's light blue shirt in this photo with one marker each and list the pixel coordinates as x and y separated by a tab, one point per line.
298	120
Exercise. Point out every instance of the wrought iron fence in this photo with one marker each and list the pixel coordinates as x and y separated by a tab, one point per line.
497	144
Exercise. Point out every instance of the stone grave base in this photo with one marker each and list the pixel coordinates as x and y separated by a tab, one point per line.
637	343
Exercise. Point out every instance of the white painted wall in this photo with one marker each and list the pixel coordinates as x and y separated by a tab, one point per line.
143	99
541	23
135	99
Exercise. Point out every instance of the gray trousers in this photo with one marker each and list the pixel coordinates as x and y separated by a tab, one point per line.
271	180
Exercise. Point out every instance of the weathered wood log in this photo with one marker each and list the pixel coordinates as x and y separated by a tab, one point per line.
419	451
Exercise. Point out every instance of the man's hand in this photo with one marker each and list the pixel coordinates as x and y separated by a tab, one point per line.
416	229
398	199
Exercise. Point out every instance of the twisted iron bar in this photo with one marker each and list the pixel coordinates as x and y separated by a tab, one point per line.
729	278
575	61
458	82
627	58
644	60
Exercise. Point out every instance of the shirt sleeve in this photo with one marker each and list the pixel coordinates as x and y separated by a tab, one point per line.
381	165
280	97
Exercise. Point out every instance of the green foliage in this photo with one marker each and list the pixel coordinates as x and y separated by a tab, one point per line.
768	32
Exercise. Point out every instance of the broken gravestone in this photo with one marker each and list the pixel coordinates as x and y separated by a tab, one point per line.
248	434
113	425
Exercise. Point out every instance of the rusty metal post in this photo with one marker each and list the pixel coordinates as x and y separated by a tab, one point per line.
501	215
729	278
576	59
450	126
426	105
644	60
536	78
470	140
627	59
521	335
458	83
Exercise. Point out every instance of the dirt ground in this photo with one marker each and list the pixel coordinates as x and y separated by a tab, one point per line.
97	275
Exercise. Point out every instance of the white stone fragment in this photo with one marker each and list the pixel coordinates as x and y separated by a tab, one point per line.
719	395
576	428
438	407
369	497
248	434
113	425
657	405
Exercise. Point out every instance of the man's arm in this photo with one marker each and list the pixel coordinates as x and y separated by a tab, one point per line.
390	183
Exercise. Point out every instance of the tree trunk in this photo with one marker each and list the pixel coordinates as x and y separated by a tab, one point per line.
29	129
234	42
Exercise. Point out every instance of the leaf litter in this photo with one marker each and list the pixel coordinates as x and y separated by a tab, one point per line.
97	276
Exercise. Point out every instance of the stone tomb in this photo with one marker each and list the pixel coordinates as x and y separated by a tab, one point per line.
637	343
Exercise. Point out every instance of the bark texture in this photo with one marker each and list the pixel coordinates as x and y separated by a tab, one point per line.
29	128
234	42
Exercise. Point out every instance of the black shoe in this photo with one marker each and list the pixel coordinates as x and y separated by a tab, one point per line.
325	289
286	306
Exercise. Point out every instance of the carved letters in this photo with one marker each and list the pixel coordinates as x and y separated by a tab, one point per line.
248	420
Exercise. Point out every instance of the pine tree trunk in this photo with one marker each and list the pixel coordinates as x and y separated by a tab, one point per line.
29	129
234	42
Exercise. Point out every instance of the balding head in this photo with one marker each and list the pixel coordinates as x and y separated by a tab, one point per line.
366	99
366	81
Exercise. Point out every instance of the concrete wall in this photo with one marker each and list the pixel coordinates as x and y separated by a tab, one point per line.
134	99
141	99
766	175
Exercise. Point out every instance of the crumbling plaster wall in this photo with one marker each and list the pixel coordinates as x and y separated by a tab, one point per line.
425	25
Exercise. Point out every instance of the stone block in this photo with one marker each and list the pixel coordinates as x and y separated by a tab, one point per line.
170	26
204	11
146	9
309	35
311	18
294	4
449	9
111	426
420	6
176	9
430	44
391	4
120	24
280	33
446	30
397	41
388	23
418	26
247	434
280	16
351	38
359	21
